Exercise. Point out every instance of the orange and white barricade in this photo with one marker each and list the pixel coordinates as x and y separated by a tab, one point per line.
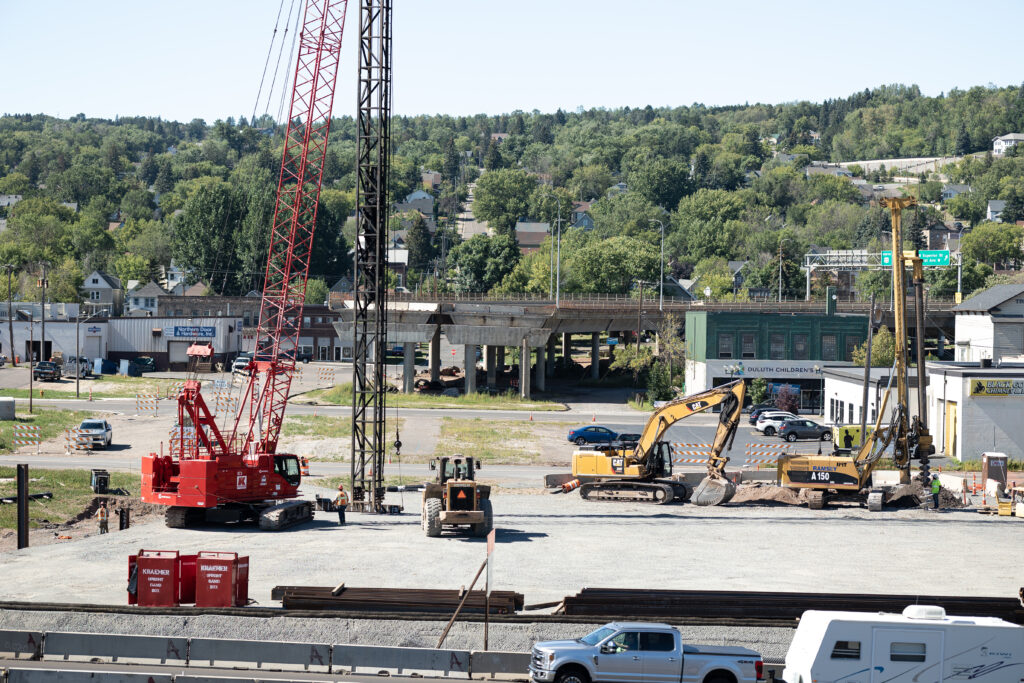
27	435
76	439
764	453
325	376
690	453
174	390
147	404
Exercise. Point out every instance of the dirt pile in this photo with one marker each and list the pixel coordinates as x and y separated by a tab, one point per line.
768	493
913	494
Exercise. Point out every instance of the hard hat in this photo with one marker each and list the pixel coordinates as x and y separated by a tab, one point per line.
935	476
341	488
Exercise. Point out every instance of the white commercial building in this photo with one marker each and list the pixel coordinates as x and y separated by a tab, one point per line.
990	325
844	394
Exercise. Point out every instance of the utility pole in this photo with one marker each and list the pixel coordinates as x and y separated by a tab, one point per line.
31	356
10	320
867	374
781	242
42	316
639	316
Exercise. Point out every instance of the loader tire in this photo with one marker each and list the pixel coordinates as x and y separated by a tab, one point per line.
484	527
431	517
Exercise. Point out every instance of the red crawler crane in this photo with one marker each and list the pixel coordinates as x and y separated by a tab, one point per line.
209	476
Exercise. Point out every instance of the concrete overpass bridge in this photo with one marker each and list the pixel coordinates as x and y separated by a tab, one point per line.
535	325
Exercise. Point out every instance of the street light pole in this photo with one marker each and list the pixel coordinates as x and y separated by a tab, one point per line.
661	280
42	315
78	354
558	257
959	264
781	242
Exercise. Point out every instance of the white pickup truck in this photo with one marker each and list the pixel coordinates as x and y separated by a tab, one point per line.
640	652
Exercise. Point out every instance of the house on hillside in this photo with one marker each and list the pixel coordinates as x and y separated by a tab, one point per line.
420	200
398	262
995	208
950	190
431	180
937	236
736	269
580	216
1004	142
531	234
498	138
7	200
102	292
142	300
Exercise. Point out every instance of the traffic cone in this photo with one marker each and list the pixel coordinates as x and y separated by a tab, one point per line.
531	417
90	394
594	418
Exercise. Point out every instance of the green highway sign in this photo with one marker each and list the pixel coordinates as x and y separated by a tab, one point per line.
934	258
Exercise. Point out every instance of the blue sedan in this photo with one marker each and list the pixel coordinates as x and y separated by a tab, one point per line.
592	434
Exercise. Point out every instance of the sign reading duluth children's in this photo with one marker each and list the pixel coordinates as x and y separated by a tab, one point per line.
997	387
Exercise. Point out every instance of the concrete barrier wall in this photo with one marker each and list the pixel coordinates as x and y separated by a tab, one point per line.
79	676
504	665
401	660
115	648
21	644
265	655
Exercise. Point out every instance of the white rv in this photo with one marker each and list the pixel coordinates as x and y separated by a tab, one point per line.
922	645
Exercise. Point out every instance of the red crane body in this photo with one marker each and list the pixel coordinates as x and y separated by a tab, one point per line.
218	477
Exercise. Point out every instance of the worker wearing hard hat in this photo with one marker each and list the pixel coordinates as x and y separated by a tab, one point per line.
103	517
936	487
340	503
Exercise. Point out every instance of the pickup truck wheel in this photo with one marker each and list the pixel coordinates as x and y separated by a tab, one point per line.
572	674
720	678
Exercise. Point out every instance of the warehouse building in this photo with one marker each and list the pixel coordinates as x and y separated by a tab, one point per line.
785	349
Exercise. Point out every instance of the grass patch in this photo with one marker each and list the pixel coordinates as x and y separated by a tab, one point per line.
51	422
389	480
104	386
341	394
72	493
327	427
488	441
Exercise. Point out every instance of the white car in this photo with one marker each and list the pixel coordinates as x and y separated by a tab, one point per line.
768	423
94	434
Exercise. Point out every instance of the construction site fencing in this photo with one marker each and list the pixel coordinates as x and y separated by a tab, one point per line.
147	404
26	435
75	440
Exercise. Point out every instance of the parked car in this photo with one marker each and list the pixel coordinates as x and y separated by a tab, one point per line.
592	434
760	410
629	438
241	362
798	428
636	652
145	364
80	367
46	370
768	423
95	434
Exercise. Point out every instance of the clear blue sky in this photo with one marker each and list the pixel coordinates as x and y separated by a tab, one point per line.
182	59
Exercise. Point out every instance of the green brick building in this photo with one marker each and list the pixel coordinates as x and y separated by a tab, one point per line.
784	349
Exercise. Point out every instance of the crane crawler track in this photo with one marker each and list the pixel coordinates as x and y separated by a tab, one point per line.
284	515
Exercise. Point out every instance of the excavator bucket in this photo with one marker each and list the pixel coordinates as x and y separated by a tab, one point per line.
713	491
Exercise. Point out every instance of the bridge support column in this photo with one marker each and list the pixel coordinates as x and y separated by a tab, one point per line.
595	355
434	360
807	294
492	374
541	369
942	345
500	360
408	367
566	347
549	359
469	365
524	369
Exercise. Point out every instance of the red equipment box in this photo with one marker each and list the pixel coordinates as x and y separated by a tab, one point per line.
222	580
185	588
157	582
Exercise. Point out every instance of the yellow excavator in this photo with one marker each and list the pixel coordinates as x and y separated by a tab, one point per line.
848	477
644	473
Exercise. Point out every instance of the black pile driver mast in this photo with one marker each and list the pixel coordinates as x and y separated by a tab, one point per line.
370	283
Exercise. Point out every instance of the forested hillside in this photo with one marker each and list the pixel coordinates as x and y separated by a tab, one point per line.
143	191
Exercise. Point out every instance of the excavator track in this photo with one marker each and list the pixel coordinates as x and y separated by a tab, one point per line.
628	492
284	515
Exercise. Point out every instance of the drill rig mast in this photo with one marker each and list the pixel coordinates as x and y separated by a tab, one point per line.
370	282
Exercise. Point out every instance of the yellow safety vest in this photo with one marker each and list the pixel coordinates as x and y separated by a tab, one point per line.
936	486
342	499
103	514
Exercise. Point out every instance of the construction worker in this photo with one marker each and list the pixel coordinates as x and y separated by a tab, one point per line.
341	502
104	518
936	487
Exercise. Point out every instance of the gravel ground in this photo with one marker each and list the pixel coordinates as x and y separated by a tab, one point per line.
771	642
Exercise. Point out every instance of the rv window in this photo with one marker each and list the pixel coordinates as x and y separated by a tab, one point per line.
846	649
907	652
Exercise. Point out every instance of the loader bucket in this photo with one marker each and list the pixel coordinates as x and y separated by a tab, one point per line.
713	491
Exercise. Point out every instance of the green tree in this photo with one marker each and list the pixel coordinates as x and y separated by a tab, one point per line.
942	281
883	350
632	360
132	267
714	272
502	197
610	266
758	390
662	182
316	291
450	168
481	262
993	243
15	183
204	235
659	384
590	181
968	206
417	241
137	204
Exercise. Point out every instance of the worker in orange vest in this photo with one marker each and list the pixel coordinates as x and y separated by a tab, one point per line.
103	516
341	502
